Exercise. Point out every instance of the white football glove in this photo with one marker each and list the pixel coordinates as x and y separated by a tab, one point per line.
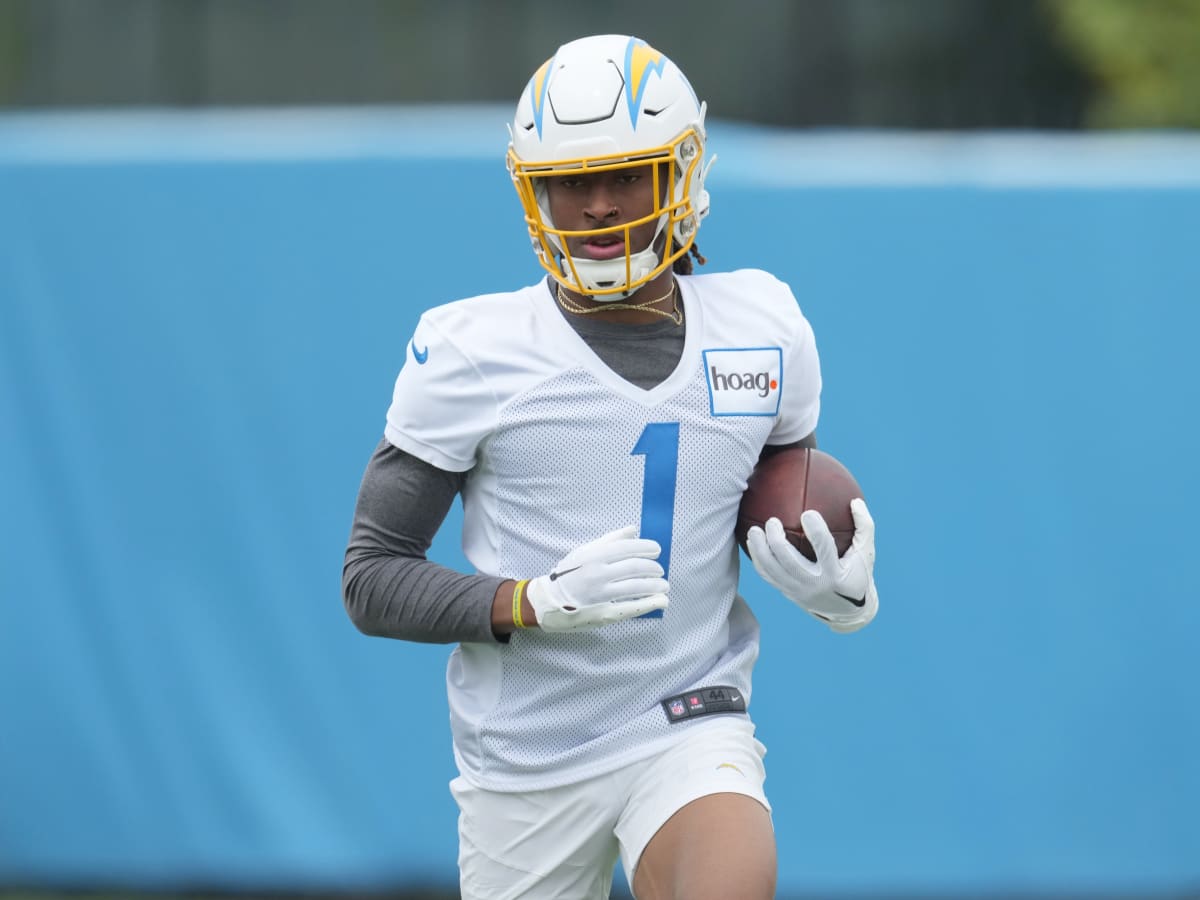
612	578
840	592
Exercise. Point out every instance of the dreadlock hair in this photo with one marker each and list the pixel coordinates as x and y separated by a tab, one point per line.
683	265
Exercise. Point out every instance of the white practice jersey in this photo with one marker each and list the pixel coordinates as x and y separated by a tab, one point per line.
561	450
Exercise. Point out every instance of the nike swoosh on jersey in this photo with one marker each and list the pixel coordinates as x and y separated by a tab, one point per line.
554	576
419	355
859	603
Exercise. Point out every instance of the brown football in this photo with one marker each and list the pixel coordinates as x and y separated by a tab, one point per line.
790	481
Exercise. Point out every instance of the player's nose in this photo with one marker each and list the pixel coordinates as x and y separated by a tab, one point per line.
601	204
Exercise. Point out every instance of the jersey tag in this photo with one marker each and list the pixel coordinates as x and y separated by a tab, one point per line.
744	381
704	702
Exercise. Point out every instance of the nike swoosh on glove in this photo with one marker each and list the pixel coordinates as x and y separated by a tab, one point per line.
610	579
839	592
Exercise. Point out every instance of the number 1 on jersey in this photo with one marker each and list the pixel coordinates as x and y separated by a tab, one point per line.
659	443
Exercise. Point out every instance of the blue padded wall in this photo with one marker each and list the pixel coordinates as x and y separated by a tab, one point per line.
200	320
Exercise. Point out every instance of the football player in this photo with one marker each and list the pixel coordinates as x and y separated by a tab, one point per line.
600	426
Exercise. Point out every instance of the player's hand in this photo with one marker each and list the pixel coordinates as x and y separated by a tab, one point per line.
612	578
840	592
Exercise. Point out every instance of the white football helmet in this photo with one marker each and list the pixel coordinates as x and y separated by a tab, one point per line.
602	103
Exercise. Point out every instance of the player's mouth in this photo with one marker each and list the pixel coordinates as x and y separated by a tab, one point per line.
606	246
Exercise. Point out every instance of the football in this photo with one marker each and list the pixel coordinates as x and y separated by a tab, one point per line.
790	481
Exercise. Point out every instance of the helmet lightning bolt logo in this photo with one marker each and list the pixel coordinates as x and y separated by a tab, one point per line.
539	87
640	60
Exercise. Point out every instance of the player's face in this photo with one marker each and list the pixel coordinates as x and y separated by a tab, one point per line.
588	201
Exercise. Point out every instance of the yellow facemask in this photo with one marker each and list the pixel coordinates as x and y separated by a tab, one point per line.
675	170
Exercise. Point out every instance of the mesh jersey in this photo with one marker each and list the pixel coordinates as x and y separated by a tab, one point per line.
562	450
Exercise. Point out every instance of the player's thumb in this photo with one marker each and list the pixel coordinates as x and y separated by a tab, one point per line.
864	530
631	609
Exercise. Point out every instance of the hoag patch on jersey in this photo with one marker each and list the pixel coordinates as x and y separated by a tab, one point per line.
744	381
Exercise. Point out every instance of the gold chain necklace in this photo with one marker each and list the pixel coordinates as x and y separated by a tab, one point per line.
572	305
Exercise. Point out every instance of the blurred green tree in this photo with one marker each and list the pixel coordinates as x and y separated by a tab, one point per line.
1144	58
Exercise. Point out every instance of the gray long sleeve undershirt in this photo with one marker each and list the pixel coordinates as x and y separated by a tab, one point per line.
389	587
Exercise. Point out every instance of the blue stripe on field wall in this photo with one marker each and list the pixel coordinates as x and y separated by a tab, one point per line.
749	155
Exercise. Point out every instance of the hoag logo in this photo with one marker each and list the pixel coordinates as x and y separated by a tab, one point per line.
747	381
744	381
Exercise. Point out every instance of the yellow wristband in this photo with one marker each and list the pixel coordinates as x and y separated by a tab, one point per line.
518	594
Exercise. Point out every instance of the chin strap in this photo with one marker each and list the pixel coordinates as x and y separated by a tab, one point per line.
597	274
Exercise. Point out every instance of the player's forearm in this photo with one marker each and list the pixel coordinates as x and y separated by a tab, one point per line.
417	600
390	589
